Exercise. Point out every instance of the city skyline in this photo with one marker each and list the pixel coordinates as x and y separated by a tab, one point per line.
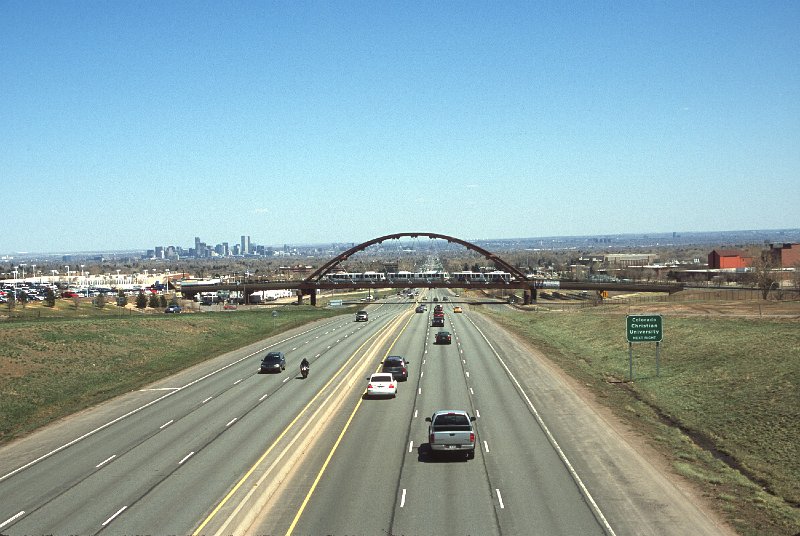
127	125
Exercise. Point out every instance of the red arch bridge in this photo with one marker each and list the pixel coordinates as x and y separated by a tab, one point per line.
318	280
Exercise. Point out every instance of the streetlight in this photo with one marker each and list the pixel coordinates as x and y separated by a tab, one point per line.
34	272
82	265
23	265
67	267
15	272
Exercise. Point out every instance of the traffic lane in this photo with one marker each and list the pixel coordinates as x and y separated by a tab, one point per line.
89	447
45	480
540	494
446	493
634	495
354	481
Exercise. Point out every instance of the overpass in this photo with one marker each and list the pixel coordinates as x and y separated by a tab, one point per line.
318	281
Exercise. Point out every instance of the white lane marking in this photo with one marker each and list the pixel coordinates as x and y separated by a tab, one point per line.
410	446
110	519
166	424
286	380
485	446
232	421
461	350
101	464
421	374
317	337
13	518
551	438
207	399
477	414
237	381
419	391
145	406
464	361
467	373
337	340
295	348
415	414
186	458
317	355
471	391
423	361
263	397
500	499
403	498
329	347
159	389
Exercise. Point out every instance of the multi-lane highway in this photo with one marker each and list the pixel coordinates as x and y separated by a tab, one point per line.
220	449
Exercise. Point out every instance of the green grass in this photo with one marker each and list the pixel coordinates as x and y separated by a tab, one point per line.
729	383
53	367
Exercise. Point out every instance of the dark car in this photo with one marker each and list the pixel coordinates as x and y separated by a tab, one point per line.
437	322
443	337
397	366
273	362
420	308
174	308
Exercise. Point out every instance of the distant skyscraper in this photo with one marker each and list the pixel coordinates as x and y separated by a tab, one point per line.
197	243
245	245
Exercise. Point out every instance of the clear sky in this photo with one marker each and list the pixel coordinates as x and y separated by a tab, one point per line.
134	124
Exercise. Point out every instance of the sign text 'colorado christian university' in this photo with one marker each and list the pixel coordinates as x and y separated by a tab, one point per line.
644	328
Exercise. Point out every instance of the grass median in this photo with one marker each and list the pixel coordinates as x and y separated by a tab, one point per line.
725	408
53	367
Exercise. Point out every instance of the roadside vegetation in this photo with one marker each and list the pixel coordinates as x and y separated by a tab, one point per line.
57	361
725	409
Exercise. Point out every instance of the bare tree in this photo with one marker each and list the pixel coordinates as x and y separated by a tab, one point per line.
762	273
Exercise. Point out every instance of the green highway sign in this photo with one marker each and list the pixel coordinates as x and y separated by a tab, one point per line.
644	328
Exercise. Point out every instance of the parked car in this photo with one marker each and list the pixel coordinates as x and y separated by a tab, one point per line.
273	362
382	384
397	366
443	337
174	308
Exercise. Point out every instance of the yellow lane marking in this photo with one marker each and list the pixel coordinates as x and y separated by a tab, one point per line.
239	484
336	444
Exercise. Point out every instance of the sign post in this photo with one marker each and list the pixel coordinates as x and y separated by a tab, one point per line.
643	328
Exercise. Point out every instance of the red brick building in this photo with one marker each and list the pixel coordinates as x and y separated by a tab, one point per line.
728	259
785	255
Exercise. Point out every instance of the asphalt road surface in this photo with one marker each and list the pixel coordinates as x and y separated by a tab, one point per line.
221	449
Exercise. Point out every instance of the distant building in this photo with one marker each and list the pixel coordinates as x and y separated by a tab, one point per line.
728	259
785	255
624	260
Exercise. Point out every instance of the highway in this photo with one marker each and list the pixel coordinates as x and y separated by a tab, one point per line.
220	449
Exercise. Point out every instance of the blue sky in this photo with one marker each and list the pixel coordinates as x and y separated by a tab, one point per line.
135	124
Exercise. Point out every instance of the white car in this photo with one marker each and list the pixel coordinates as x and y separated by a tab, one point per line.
382	384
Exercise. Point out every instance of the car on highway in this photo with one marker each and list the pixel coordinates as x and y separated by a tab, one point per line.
174	308
273	362
451	430
397	366
457	309
382	384
362	316
437	322
435	298
420	309
443	337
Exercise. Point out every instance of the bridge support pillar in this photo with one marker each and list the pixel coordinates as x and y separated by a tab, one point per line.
313	297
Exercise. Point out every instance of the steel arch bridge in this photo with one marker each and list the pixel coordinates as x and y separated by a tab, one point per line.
331	264
317	281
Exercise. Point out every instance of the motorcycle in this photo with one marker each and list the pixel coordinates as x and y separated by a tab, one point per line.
304	372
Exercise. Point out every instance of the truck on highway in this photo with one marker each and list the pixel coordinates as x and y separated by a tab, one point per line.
451	430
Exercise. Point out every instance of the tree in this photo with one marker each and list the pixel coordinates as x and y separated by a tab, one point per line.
50	298
122	299
12	301
23	299
762	274
100	301
141	300
153	302
162	301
